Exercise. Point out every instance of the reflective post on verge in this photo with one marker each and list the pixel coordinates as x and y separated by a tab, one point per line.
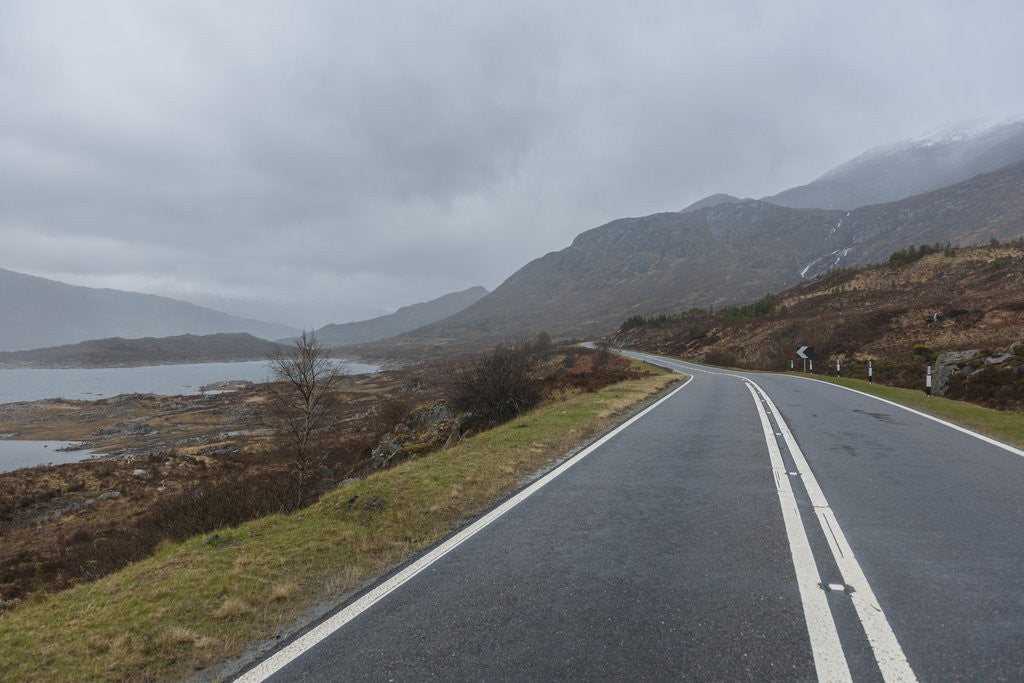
928	382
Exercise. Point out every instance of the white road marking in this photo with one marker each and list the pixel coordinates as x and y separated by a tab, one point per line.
837	587
887	650
976	435
829	659
888	653
296	648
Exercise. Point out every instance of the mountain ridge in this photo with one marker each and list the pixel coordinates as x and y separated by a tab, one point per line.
722	254
404	319
903	169
39	312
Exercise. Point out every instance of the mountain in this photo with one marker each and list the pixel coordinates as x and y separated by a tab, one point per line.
713	200
912	167
118	352
723	254
403	320
36	312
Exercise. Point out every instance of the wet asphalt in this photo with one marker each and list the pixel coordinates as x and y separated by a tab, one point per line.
663	555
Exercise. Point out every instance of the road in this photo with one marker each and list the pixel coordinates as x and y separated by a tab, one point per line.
747	527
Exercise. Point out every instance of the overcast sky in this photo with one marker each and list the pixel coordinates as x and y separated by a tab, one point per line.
316	161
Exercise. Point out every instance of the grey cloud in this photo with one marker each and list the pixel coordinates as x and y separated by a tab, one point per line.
377	153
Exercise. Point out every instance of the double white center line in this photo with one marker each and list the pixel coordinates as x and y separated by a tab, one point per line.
829	658
888	654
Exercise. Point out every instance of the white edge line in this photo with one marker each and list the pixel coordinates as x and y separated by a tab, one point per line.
300	645
987	439
829	659
965	430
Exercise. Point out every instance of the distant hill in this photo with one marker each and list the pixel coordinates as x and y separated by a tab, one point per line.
404	319
722	254
118	352
36	312
897	171
713	200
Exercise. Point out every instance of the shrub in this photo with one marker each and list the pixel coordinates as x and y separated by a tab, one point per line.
631	322
924	353
389	414
542	343
497	386
720	357
911	253
761	308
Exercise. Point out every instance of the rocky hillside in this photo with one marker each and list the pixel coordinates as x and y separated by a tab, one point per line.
726	253
911	167
36	312
118	352
961	310
404	319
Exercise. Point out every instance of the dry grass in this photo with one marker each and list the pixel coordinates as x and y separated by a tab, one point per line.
198	602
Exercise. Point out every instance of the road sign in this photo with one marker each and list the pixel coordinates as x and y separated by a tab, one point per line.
805	352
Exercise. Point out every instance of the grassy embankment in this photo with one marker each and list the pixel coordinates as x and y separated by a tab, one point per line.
1002	425
200	601
1006	426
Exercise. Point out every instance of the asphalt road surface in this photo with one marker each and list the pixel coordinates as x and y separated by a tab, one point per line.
747	527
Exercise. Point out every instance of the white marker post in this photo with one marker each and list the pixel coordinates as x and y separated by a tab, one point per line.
928	382
870	373
810	362
839	369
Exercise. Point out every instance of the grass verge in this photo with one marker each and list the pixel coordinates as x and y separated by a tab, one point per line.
1002	425
203	600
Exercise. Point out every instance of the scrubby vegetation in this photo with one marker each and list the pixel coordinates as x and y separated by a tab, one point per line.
201	600
61	526
497	386
645	321
900	315
767	305
911	253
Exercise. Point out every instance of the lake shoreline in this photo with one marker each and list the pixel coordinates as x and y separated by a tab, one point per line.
19	385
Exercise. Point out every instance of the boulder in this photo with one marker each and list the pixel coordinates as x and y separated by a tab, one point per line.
996	360
949	363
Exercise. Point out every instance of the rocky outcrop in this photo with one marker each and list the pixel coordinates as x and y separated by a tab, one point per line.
955	371
427	428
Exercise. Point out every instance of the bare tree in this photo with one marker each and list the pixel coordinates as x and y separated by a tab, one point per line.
302	407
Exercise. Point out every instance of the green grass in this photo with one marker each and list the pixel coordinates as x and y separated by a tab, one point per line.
1002	425
198	602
